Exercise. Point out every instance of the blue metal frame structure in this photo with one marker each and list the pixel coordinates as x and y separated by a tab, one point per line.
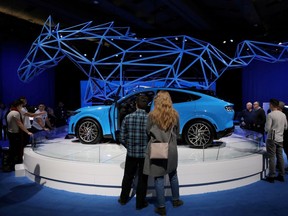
116	62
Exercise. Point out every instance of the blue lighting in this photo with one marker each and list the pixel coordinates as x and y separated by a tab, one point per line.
117	62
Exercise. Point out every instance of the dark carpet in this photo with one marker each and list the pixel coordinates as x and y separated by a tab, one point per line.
21	197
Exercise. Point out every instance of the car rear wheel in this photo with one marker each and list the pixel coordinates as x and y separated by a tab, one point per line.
89	131
199	134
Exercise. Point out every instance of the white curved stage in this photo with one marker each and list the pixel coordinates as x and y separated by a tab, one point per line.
98	169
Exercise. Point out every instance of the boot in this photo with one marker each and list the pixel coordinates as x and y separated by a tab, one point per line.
161	211
177	203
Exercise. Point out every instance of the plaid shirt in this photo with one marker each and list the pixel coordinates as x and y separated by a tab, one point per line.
133	133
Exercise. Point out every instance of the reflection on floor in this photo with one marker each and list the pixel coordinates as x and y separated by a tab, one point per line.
230	147
98	169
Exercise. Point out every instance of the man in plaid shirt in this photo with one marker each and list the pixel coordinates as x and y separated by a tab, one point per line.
134	137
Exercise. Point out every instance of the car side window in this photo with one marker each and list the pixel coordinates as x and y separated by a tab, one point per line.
181	97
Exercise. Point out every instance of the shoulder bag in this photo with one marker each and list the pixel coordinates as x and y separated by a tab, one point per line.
159	150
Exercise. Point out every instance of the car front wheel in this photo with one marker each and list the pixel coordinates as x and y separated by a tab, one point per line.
89	131
198	134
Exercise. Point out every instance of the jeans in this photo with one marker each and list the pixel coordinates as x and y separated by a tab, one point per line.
275	151
160	188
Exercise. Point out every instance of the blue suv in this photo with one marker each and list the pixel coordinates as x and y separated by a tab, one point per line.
203	118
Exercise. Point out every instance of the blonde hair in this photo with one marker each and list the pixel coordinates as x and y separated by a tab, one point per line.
163	115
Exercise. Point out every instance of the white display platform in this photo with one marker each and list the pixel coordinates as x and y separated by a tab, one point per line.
66	164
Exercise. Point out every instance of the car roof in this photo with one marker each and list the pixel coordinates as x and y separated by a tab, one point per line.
137	91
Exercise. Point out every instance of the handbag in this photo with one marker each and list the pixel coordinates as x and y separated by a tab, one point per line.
159	150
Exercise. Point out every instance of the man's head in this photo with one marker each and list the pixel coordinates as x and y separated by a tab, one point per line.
256	105
142	102
24	100
249	106
281	105
17	104
274	103
41	107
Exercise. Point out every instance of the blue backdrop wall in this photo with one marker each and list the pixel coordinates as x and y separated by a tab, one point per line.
262	81
41	89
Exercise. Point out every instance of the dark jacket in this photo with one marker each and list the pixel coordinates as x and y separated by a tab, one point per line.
259	121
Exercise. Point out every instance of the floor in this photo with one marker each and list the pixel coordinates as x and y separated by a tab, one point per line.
98	169
21	196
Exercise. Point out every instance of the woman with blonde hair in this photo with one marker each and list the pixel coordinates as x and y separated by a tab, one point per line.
162	124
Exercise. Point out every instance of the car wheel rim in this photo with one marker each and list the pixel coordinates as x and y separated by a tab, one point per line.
199	134
88	131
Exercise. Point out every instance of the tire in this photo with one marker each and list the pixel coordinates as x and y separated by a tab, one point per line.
89	131
198	134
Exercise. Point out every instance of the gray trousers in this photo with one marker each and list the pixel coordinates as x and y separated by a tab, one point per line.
275	152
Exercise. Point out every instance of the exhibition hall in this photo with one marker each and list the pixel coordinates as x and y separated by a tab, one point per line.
72	76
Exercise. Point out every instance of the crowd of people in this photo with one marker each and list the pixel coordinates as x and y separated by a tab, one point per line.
20	126
139	130
253	118
273	127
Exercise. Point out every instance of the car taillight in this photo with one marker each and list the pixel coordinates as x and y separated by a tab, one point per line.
229	108
72	113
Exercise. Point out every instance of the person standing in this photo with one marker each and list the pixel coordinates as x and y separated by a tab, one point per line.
3	121
162	124
26	119
259	119
15	130
41	121
275	125
246	117
60	114
1	117
51	116
133	136
285	135
40	124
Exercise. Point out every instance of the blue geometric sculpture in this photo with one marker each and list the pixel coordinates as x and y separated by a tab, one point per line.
116	62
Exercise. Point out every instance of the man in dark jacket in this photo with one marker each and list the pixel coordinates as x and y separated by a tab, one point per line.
259	119
246	117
